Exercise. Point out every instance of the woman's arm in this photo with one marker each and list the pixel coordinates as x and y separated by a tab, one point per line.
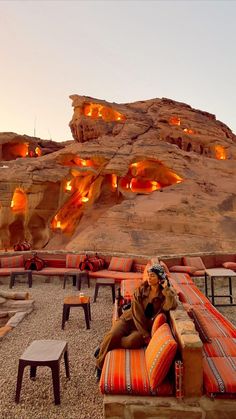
170	295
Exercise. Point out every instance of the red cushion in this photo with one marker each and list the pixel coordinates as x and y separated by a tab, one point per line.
229	265
124	372
181	278
160	319
219	375
127	288
12	262
120	264
220	347
191	294
194	261
184	269
159	355
208	325
73	261
118	276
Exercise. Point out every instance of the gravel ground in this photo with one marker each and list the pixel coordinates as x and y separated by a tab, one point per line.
80	396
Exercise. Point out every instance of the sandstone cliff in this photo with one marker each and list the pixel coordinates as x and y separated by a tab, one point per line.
150	177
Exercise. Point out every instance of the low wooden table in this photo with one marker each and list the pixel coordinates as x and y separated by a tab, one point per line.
76	301
24	272
213	274
104	282
44	353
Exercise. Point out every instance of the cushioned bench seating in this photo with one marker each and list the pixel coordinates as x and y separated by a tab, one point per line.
217	333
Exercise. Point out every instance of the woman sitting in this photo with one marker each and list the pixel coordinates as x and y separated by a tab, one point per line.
133	328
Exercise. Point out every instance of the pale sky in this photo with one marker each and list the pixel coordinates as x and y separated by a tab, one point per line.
120	51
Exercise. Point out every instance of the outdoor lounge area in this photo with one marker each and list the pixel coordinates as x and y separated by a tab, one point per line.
81	392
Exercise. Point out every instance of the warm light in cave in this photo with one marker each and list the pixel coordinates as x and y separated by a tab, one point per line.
114	181
188	131
58	224
19	201
38	151
84	199
68	186
174	120
108	114
220	152
140	185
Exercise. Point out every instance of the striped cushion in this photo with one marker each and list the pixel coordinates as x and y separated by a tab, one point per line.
191	294
195	262
220	347
12	262
223	320
181	278
127	288
158	322
120	264
73	261
124	372
184	269
219	375
118	276
208	325
159	355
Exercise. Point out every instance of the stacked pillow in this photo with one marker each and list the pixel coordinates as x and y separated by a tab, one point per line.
120	264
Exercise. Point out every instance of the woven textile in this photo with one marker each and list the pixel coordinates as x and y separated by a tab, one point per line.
219	375
158	322
181	278
220	347
124	372
191	294
120	264
73	261
127	288
13	262
209	326
160	354
184	269
195	262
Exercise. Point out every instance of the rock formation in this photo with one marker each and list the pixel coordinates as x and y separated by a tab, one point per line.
150	177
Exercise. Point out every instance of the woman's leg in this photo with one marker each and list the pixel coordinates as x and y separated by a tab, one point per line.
112	340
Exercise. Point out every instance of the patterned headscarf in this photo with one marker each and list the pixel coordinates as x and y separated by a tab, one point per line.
158	270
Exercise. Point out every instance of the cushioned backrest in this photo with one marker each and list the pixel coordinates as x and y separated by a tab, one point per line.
160	354
73	261
120	264
165	267
158	322
219	375
194	261
12	262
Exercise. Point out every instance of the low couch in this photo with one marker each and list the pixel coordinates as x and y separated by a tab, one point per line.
206	345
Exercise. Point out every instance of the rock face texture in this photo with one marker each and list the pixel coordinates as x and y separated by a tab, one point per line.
150	177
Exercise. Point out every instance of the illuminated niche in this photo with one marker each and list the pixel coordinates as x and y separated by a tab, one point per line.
107	114
147	176
220	152
19	201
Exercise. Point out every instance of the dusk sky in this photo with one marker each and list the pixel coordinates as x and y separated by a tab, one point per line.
119	51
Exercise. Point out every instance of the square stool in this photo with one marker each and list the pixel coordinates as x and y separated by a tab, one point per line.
24	272
44	353
104	282
76	301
